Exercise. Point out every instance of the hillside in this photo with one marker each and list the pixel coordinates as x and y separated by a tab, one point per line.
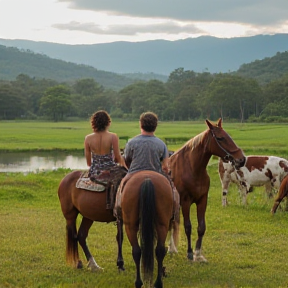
14	62
266	70
200	54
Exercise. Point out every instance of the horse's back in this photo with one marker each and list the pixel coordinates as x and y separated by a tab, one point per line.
89	204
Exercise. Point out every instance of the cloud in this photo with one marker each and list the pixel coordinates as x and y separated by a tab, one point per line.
253	12
167	27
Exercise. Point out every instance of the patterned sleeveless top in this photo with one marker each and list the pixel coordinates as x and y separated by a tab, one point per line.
100	163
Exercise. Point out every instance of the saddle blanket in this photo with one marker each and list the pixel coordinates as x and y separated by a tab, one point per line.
85	183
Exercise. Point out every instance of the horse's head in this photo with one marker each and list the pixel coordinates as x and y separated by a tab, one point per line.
223	145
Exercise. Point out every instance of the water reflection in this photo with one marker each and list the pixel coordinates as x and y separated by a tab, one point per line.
40	161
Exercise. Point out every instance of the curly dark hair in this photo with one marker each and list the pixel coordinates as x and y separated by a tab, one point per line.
148	121
100	120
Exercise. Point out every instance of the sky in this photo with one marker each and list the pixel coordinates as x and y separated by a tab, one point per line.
104	21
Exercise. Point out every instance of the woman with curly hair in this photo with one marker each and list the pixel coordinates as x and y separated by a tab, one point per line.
101	146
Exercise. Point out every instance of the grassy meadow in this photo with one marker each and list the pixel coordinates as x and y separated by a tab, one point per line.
262	139
245	245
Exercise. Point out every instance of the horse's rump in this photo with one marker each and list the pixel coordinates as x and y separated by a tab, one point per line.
132	183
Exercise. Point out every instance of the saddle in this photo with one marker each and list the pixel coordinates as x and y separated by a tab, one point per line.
105	181
110	179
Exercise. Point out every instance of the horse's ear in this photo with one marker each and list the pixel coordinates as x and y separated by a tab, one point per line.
219	123
209	124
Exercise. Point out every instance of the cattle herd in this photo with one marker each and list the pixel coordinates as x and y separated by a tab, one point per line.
268	171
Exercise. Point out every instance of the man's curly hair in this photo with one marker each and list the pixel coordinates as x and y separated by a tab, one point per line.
100	120
148	121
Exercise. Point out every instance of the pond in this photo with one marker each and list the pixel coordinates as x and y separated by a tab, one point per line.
40	161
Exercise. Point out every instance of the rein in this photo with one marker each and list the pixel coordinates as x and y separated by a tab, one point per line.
228	156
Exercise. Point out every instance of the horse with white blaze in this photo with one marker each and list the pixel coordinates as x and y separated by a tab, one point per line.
257	171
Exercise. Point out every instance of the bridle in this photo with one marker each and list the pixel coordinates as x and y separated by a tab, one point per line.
228	156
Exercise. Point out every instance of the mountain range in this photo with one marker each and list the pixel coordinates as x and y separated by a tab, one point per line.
162	57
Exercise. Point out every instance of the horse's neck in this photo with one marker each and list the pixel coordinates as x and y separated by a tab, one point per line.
198	156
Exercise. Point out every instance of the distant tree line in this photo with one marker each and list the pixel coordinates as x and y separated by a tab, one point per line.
186	95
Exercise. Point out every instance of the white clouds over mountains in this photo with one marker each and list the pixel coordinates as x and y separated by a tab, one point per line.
100	21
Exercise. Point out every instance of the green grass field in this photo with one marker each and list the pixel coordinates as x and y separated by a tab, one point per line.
262	139
245	245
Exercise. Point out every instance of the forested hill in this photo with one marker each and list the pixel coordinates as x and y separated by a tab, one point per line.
14	62
211	54
266	70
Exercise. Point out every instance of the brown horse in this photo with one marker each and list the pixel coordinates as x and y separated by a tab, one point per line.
189	174
282	193
148	204
92	206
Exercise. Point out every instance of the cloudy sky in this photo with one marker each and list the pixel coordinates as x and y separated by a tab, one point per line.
102	21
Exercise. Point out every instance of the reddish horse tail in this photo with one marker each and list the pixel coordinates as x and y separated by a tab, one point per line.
72	254
147	214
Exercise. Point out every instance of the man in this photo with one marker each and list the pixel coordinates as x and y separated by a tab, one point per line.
146	151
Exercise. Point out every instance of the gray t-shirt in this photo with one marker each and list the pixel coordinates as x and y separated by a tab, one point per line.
145	153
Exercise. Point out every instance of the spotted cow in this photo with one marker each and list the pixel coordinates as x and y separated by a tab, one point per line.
265	171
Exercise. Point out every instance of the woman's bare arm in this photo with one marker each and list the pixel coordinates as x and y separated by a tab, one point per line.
118	158
87	152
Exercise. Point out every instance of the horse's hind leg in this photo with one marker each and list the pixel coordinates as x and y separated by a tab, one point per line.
119	238
82	236
160	254
136	252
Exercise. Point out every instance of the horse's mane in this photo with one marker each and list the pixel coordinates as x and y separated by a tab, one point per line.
196	141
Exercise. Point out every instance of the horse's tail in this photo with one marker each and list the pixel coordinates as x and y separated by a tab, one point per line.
70	214
72	255
147	214
174	225
175	229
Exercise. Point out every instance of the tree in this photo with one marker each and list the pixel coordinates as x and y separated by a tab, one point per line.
56	103
234	96
178	78
87	87
12	102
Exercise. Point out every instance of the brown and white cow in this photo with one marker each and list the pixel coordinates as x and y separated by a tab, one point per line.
257	171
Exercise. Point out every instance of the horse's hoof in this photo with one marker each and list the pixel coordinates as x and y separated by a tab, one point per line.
190	256
79	265
120	269
200	258
93	266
